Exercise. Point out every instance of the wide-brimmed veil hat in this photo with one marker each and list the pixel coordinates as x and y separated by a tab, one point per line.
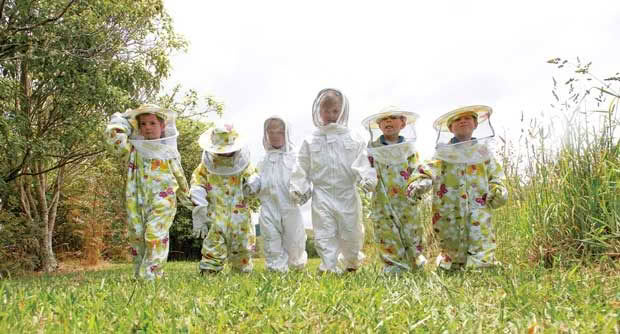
477	149
158	111
480	112
372	121
222	138
162	148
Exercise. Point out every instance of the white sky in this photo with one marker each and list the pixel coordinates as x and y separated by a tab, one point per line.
272	57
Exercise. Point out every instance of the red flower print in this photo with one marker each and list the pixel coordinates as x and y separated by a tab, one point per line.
442	190
132	166
482	200
165	194
447	258
421	170
240	205
419	248
436	217
133	251
165	240
404	174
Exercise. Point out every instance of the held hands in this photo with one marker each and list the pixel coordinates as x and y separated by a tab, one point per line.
368	184
251	186
416	189
299	198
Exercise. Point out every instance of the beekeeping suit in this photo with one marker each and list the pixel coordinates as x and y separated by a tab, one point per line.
220	186
399	231
280	218
467	183
329	165
155	180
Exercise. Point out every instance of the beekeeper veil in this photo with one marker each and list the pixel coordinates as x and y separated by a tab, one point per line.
392	134
225	151
465	135
163	148
330	108
276	135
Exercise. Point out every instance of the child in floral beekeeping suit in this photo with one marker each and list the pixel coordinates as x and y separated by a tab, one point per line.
399	232
145	139
221	186
280	218
467	183
330	164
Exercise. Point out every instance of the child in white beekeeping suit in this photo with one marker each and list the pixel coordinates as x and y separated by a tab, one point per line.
221	186
467	183
145	139
280	218
399	231
330	164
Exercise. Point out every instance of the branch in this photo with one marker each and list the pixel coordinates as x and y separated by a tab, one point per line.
66	162
46	21
1	8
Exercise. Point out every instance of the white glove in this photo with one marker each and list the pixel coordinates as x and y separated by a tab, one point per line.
368	185
119	121
497	196
200	227
252	185
416	189
299	198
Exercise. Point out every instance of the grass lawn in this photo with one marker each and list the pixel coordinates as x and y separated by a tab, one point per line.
511	299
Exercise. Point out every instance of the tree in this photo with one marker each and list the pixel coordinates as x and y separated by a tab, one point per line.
62	81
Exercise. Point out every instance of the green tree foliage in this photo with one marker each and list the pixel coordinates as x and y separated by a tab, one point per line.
60	79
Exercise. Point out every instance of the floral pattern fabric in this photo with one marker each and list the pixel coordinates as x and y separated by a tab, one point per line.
152	189
463	196
399	232
231	235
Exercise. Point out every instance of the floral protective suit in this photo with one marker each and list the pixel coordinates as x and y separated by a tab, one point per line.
231	235
153	186
280	218
399	232
463	195
329	164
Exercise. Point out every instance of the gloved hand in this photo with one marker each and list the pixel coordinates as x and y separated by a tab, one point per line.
417	188
369	185
120	123
299	198
497	196
200	227
251	186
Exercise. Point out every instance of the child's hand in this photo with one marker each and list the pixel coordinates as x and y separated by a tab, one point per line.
497	196
369	185
417	188
299	198
200	228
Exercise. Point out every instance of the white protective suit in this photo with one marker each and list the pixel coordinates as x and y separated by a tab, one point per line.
330	163
280	218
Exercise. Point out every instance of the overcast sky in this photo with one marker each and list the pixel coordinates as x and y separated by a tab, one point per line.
272	57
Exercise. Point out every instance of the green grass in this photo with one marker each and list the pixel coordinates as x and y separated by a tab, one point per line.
508	299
